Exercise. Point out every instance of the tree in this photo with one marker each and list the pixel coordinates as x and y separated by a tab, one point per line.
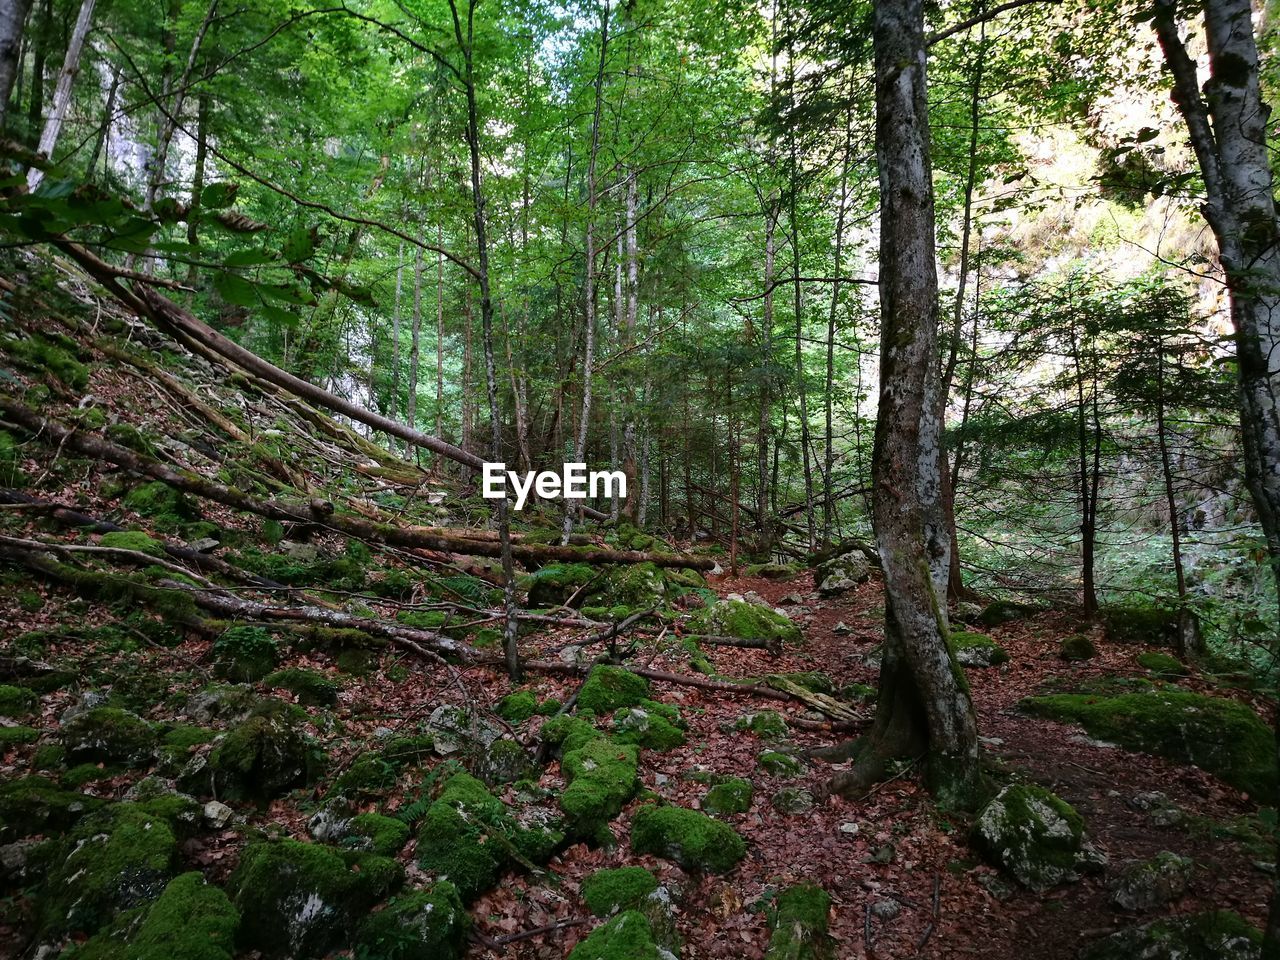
923	705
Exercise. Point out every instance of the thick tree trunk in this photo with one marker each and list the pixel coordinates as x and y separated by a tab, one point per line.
1228	130
924	704
62	94
13	19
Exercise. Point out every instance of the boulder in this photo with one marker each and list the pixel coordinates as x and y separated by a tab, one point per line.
1033	834
977	650
610	688
842	573
428	924
261	758
108	735
746	621
1152	883
191	920
606	892
692	839
1214	935
798	922
629	935
732	796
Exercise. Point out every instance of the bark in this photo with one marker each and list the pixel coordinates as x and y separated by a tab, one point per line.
440	333
395	335
632	509
828	452
1228	131
62	94
39	57
100	141
766	399
924	704
415	343
13	19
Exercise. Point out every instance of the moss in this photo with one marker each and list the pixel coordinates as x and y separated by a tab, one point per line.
691	839
766	724
50	355
191	920
611	688
1032	833
601	777
32	805
29	601
356	662
17	736
16	701
11	474
732	796
127	435
503	761
518	707
1077	647
814	681
304	899
549	707
486	637
1149	626
260	759
183	737
133	540
84	773
637	586
568	733
771	571
977	649
799	924
746	621
555	583
1004	611
375	833
646	728
245	654
1221	736
118	858
459	838
51	756
608	891
165	507
628	936
426	924
1212	935
779	764
1162	664
697	657
310	686
106	735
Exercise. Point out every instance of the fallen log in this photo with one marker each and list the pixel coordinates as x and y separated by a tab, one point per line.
54	432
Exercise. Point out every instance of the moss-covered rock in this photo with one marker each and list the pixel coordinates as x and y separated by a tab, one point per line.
1077	646
772	571
977	650
610	688
245	654
428	924
609	891
460	838
220	703
732	796
637	586
118	858
1215	935
765	724
692	839
552	585
1033	834
17	736
502	761
842	573
567	733
304	899
798	922
646	728
628	936
1222	736
518	707
310	686
50	354
999	612
108	735
374	833
1163	665
32	805
601	777
165	507
746	621
779	764
134	540
260	759
1146	625
191	920
1152	883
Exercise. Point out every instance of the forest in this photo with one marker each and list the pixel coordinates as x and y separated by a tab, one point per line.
626	480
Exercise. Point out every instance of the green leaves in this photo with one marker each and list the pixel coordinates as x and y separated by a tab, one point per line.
219	196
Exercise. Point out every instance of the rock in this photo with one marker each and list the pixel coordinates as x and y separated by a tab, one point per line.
732	796
997	886
792	800
771	571
304	899
886	909
1225	737
301	552
17	701
849	828
205	545
329	824
1164	666
842	573
455	729
191	920
31	805
89	700
746	621
518	707
628	935
108	735
606	892
1214	935
842	628
1033	834
648	728
976	650
14	858
245	654
799	925
554	584
792	599
692	839
601	777
637	586
216	814
1077	647
261	758
999	612
220	702
779	764
967	610
1152	883
752	597
503	761
765	724
610	688
428	924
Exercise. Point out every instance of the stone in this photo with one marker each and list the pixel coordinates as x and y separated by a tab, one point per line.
792	800
216	814
1213	935
692	839
455	729
886	909
108	735
842	573
798	925
976	650
301	552
1033	834
1152	883
428	924
627	936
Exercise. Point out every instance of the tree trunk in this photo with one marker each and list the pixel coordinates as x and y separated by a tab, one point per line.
766	379
100	141
62	95
39	59
394	404
1228	130
13	19
828	437
924	703
415	343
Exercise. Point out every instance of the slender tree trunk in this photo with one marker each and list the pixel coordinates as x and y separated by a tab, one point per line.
828	437
632	509
100	140
924	704
39	59
415	343
764	429
486	328
394	405
589	291
62	95
440	333
13	20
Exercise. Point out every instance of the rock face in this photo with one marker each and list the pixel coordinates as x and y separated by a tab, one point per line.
1216	935
842	573
302	899
1152	883
1035	835
1222	736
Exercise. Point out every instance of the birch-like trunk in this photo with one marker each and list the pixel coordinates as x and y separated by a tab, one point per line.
13	18
62	94
924	704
